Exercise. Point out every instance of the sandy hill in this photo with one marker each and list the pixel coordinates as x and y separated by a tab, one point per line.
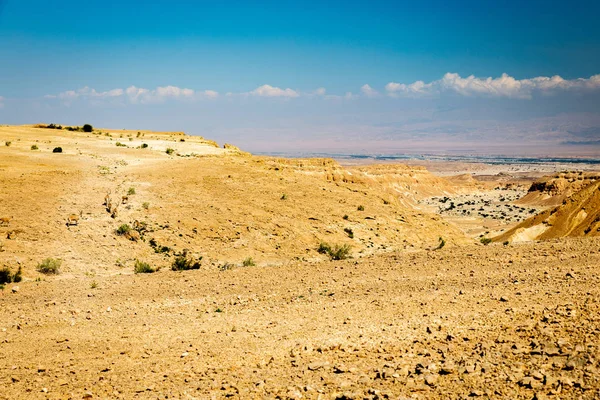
219	203
552	190
578	215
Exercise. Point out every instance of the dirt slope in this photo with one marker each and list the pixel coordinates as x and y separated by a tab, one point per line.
578	215
218	203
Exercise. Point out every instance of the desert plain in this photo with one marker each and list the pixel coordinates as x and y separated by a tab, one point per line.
307	279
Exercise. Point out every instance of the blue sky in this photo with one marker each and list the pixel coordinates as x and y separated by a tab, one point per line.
72	62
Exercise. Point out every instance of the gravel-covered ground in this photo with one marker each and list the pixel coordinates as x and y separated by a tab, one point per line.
512	322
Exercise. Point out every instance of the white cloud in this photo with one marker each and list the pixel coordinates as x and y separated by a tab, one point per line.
133	94
271	91
320	91
369	91
211	94
503	86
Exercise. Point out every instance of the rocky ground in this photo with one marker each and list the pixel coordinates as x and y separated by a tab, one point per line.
514	322
266	315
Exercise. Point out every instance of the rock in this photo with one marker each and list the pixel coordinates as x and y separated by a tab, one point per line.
431	379
503	299
15	289
470	368
184	354
316	366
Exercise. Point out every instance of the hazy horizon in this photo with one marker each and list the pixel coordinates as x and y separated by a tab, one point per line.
347	77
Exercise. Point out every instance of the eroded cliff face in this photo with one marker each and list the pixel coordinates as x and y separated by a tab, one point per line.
577	215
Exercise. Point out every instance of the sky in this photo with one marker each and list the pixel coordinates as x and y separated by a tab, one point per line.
347	77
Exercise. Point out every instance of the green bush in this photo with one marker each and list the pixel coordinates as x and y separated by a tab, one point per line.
337	252
143	268
88	128
145	205
123	229
49	266
169	151
345	217
57	150
284	196
34	147
361	208
485	240
7	144
184	263
340	252
248	262
324	248
349	232
144	145
131	191
119	144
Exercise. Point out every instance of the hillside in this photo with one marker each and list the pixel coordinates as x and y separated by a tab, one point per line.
578	215
218	203
552	190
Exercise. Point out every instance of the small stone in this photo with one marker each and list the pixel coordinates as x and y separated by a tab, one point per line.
315	366
15	289
537	375
184	354
431	379
470	368
503	299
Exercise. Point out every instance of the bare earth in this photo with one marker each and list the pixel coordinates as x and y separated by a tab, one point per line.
400	319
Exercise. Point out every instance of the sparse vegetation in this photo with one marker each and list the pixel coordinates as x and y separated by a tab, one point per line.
119	144
158	248
7	144
505	243
57	150
144	145
5	275
169	151
50	266
145	205
248	262
340	252
185	263
88	128
284	196
34	147
49	126
361	208
345	217
349	232
141	267
485	240
93	285
337	252
324	248
441	244
131	191
123	229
